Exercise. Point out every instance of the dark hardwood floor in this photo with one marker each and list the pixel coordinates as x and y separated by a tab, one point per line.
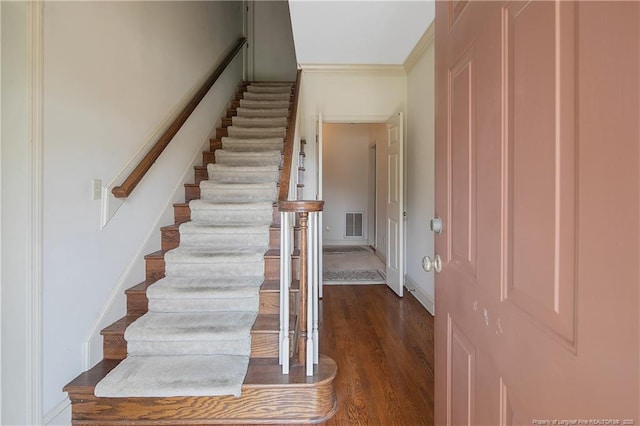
383	346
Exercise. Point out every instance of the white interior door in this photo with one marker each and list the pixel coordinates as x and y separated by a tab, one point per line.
395	204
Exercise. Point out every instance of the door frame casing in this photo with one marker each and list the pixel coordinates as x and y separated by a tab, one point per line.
320	119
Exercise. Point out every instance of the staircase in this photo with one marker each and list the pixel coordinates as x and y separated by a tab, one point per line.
219	266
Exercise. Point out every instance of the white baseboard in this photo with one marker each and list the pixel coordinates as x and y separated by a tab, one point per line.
60	415
424	299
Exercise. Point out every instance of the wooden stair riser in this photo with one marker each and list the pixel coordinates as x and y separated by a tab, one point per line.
209	157
191	192
137	302
182	213
155	266
214	144
170	237
200	173
270	302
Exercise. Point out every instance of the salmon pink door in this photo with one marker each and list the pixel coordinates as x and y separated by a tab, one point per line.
538	187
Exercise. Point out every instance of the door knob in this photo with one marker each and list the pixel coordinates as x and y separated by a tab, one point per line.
427	264
432	265
437	263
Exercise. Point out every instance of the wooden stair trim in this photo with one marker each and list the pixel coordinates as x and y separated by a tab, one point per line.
293	398
285	176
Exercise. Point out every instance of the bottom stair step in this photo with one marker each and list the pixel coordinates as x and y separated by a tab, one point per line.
267	397
168	376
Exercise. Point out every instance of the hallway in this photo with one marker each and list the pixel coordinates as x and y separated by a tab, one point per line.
352	265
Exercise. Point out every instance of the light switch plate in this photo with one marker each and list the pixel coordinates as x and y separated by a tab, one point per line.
96	189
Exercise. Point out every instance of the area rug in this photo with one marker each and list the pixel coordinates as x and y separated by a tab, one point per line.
368	276
343	249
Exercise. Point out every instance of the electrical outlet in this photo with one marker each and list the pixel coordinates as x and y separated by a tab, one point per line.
96	189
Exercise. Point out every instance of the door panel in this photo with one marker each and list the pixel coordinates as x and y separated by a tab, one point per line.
539	167
461	373
538	182
395	205
462	166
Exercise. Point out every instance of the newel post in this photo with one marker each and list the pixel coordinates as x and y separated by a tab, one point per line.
307	308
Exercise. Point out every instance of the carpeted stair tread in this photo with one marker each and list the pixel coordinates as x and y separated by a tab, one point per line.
248	158
193	234
251	103
258	88
280	121
243	174
262	113
204	262
191	333
272	83
266	96
253	144
204	288
256	132
169	376
238	192
190	327
231	213
214	255
186	294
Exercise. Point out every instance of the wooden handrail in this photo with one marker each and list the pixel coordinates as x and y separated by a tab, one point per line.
300	206
145	164
288	144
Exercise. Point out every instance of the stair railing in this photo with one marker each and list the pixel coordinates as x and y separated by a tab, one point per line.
304	214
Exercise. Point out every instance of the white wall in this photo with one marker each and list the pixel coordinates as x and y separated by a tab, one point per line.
15	157
345	179
113	72
420	184
274	56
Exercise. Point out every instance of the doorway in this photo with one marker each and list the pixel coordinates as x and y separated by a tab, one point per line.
353	186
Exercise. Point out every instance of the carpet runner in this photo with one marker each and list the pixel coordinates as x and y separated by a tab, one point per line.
195	339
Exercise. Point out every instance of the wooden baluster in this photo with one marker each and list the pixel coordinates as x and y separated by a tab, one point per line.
302	320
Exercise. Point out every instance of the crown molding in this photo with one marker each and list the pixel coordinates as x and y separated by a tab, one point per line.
425	42
377	69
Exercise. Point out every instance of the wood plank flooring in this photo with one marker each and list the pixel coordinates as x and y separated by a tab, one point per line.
383	346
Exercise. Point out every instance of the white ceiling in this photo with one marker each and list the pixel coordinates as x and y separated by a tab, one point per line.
358	32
